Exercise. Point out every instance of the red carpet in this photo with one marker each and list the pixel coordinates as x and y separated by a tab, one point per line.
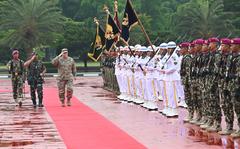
83	128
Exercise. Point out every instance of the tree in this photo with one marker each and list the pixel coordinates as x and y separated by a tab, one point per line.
30	22
77	37
202	19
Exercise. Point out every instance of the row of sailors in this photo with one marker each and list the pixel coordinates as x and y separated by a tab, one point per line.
145	77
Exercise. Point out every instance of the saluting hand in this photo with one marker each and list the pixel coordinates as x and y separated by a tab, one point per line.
33	57
60	54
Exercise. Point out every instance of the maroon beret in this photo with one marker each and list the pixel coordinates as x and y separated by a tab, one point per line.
199	41
192	44
206	42
213	39
184	44
235	41
225	41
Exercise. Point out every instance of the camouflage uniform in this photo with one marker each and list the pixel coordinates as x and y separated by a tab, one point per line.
103	69
185	75
234	76
226	100
16	69
213	91
114	78
66	72
195	90
204	98
35	80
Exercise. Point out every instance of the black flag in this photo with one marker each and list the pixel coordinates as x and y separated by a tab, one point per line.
98	44
130	19
112	33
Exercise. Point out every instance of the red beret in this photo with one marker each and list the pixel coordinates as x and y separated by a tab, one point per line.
235	41
199	41
214	39
225	41
192	44
15	51
184	44
206	42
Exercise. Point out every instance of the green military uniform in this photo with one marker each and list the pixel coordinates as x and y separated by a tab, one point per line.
204	97
226	102
195	89
66	72
234	76
103	69
35	80
214	111
16	69
185	75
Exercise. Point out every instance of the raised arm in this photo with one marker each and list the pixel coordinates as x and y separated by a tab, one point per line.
55	61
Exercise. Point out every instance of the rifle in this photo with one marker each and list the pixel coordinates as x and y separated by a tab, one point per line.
168	58
156	53
134	56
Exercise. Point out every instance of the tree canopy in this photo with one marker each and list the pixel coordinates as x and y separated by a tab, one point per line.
27	24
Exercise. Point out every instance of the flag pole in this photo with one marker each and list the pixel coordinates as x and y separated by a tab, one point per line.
142	28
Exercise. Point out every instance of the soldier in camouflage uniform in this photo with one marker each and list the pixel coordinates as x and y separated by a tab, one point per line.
202	75
212	91
185	76
16	69
226	101
36	71
66	73
107	70
113	80
196	93
103	68
234	75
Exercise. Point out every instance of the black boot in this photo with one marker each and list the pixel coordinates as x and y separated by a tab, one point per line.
34	103
40	103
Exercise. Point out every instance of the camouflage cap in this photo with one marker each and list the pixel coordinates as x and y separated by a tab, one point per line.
64	50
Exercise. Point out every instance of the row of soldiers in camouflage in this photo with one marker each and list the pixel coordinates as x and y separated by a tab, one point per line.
35	73
211	77
144	76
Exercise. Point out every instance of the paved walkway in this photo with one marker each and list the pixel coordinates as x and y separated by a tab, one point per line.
25	127
29	128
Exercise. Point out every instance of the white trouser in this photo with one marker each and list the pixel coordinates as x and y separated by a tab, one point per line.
171	94
180	90
120	84
151	89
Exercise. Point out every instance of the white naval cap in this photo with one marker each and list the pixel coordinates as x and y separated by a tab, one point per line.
125	48
137	46
132	48
152	48
121	48
163	46
143	49
172	45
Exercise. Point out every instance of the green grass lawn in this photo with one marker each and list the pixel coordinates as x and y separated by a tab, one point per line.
3	67
79	64
89	64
